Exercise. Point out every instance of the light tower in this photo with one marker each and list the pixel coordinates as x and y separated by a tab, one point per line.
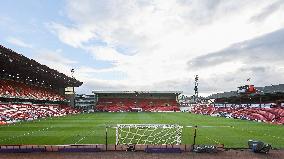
72	72
73	88
196	88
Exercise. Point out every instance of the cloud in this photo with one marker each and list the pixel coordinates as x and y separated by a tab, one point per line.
260	59
267	49
72	36
18	42
55	57
55	60
86	69
106	54
268	11
151	42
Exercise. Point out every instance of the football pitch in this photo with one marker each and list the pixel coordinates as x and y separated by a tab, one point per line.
90	129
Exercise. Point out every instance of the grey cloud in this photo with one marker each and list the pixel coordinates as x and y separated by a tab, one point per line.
267	49
124	41
256	69
185	85
202	12
267	11
262	76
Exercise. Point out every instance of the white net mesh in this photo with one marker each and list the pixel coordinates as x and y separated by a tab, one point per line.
148	134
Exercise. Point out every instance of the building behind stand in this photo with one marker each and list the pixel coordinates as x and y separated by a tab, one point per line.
85	102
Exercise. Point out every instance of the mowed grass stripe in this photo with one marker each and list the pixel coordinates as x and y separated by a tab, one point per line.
90	129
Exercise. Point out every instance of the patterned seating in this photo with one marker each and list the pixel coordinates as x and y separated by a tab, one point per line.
10	113
12	89
126	104
269	115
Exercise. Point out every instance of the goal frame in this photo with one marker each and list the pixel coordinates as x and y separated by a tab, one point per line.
177	128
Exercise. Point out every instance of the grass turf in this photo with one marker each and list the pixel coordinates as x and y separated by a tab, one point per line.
90	129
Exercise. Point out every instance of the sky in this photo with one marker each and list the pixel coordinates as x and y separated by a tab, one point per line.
151	44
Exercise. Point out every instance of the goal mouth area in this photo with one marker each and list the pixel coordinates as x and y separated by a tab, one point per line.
157	134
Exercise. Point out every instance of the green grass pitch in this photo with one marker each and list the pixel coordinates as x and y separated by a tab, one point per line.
90	129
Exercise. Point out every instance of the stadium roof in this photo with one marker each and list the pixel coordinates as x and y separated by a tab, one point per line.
139	92
272	89
17	67
258	98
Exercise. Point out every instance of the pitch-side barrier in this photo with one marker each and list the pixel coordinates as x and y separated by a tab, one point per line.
96	148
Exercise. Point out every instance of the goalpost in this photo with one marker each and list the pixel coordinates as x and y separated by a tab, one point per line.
162	134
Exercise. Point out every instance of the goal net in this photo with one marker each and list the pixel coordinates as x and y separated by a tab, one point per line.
148	134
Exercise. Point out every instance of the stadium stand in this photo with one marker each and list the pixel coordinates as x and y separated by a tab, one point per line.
153	105
17	67
10	113
149	105
13	89
269	115
29	90
126	102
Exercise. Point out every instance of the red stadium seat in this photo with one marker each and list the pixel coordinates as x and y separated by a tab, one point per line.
10	113
21	90
269	115
126	104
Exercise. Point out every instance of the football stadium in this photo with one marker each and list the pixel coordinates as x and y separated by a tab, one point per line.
37	114
201	79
